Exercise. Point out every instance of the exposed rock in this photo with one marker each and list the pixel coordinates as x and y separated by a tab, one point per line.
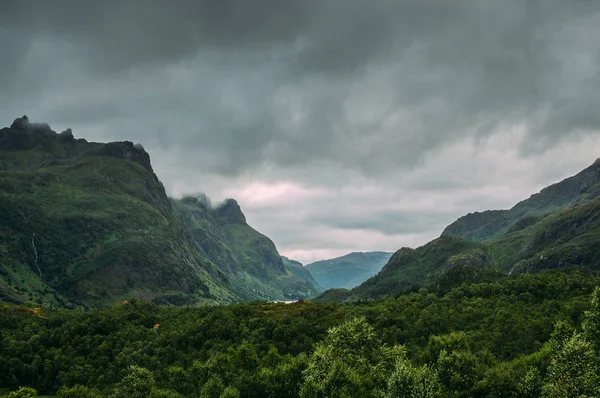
230	210
475	258
20	123
66	136
126	150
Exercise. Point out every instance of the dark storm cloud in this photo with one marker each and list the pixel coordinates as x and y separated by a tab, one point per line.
415	74
434	70
122	34
386	222
320	92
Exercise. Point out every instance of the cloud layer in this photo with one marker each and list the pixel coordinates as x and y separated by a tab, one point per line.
338	125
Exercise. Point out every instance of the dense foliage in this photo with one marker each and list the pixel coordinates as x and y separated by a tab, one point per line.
531	335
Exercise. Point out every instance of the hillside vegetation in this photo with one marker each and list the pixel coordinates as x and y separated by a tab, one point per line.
250	260
519	336
90	224
556	228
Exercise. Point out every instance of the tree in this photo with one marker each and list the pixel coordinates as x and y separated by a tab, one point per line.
282	380
165	394
213	388
23	392
531	384
573	370
591	321
458	371
138	383
409	381
78	391
350	362
230	392
179	380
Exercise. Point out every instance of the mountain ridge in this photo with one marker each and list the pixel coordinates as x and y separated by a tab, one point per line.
348	270
249	258
559	227
91	222
479	226
85	223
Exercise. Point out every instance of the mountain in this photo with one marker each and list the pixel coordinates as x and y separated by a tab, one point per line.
301	272
349	270
559	227
583	187
90	223
254	268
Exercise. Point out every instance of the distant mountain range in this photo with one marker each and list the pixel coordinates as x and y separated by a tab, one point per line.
349	270
84	222
558	227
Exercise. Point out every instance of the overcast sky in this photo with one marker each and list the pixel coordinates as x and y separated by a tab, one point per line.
338	125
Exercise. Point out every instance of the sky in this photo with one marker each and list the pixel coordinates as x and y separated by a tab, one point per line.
338	125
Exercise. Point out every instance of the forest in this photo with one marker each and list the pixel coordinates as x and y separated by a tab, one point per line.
532	335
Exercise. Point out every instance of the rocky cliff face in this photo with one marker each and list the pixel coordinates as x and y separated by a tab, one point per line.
230	211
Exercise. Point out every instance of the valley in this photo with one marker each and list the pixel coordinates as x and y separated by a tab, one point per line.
109	288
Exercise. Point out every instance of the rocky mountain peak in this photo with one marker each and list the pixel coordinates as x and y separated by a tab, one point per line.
127	150
399	259
230	210
20	123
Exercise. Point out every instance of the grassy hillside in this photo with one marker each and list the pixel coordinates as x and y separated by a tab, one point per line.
91	223
580	188
349	270
557	228
300	271
414	268
250	259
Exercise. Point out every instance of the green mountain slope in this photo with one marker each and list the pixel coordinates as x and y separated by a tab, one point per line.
556	228
349	270
301	272
91	223
250	259
575	190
